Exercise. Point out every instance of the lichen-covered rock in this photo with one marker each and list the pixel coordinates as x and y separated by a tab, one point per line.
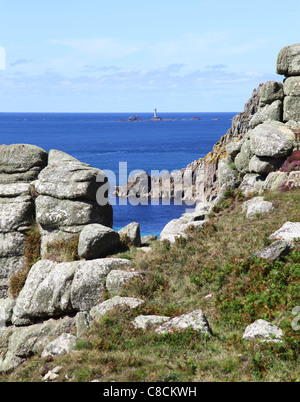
6	311
291	86
257	206
62	345
289	231
271	139
132	231
149	321
116	280
227	175
291	108
242	160
263	330
288	61
96	241
116	302
272	112
177	228
275	251
53	290
195	320
264	165
270	92
234	148
252	183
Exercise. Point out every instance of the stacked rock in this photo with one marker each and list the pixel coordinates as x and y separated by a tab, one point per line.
288	64
67	201
19	166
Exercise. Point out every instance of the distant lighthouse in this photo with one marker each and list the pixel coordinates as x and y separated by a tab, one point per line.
155	114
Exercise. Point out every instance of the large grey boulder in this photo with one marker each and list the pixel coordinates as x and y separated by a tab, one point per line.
117	280
177	228
270	92
118	302
264	165
17	344
67	178
16	213
275	251
62	345
289	232
242	160
288	61
6	311
234	148
132	232
149	321
53	290
96	241
252	183
271	112
291	86
257	206
263	330
70	216
272	139
21	158
274	180
291	108
227	175
195	320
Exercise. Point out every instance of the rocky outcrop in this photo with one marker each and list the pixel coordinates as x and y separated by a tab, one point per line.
264	331
19	165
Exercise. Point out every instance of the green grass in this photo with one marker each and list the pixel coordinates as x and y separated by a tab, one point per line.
217	261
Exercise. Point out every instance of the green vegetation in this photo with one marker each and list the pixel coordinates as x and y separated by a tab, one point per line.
63	250
32	255
213	270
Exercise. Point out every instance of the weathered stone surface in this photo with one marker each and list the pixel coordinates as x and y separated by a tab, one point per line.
57	289
97	241
16	213
88	284
227	175
82	321
147	239
234	148
291	86
20	158
149	321
291	108
67	178
63	214
263	330
62	345
242	160
13	190
252	183
116	280
257	206
271	112
288	61
12	244
132	231
176	228
270	92
195	320
289	231
6	311
274	180
8	267
17	344
116	302
275	251
203	209
264	165
271	139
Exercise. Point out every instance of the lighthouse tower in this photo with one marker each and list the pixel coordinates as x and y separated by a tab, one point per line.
155	114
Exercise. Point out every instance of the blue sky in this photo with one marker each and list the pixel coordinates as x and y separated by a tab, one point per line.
134	56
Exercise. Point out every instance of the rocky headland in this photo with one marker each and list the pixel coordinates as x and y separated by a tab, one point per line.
60	265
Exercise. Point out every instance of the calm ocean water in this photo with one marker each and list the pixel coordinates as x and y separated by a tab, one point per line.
102	140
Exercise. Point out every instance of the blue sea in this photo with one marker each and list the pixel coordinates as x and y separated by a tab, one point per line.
103	141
